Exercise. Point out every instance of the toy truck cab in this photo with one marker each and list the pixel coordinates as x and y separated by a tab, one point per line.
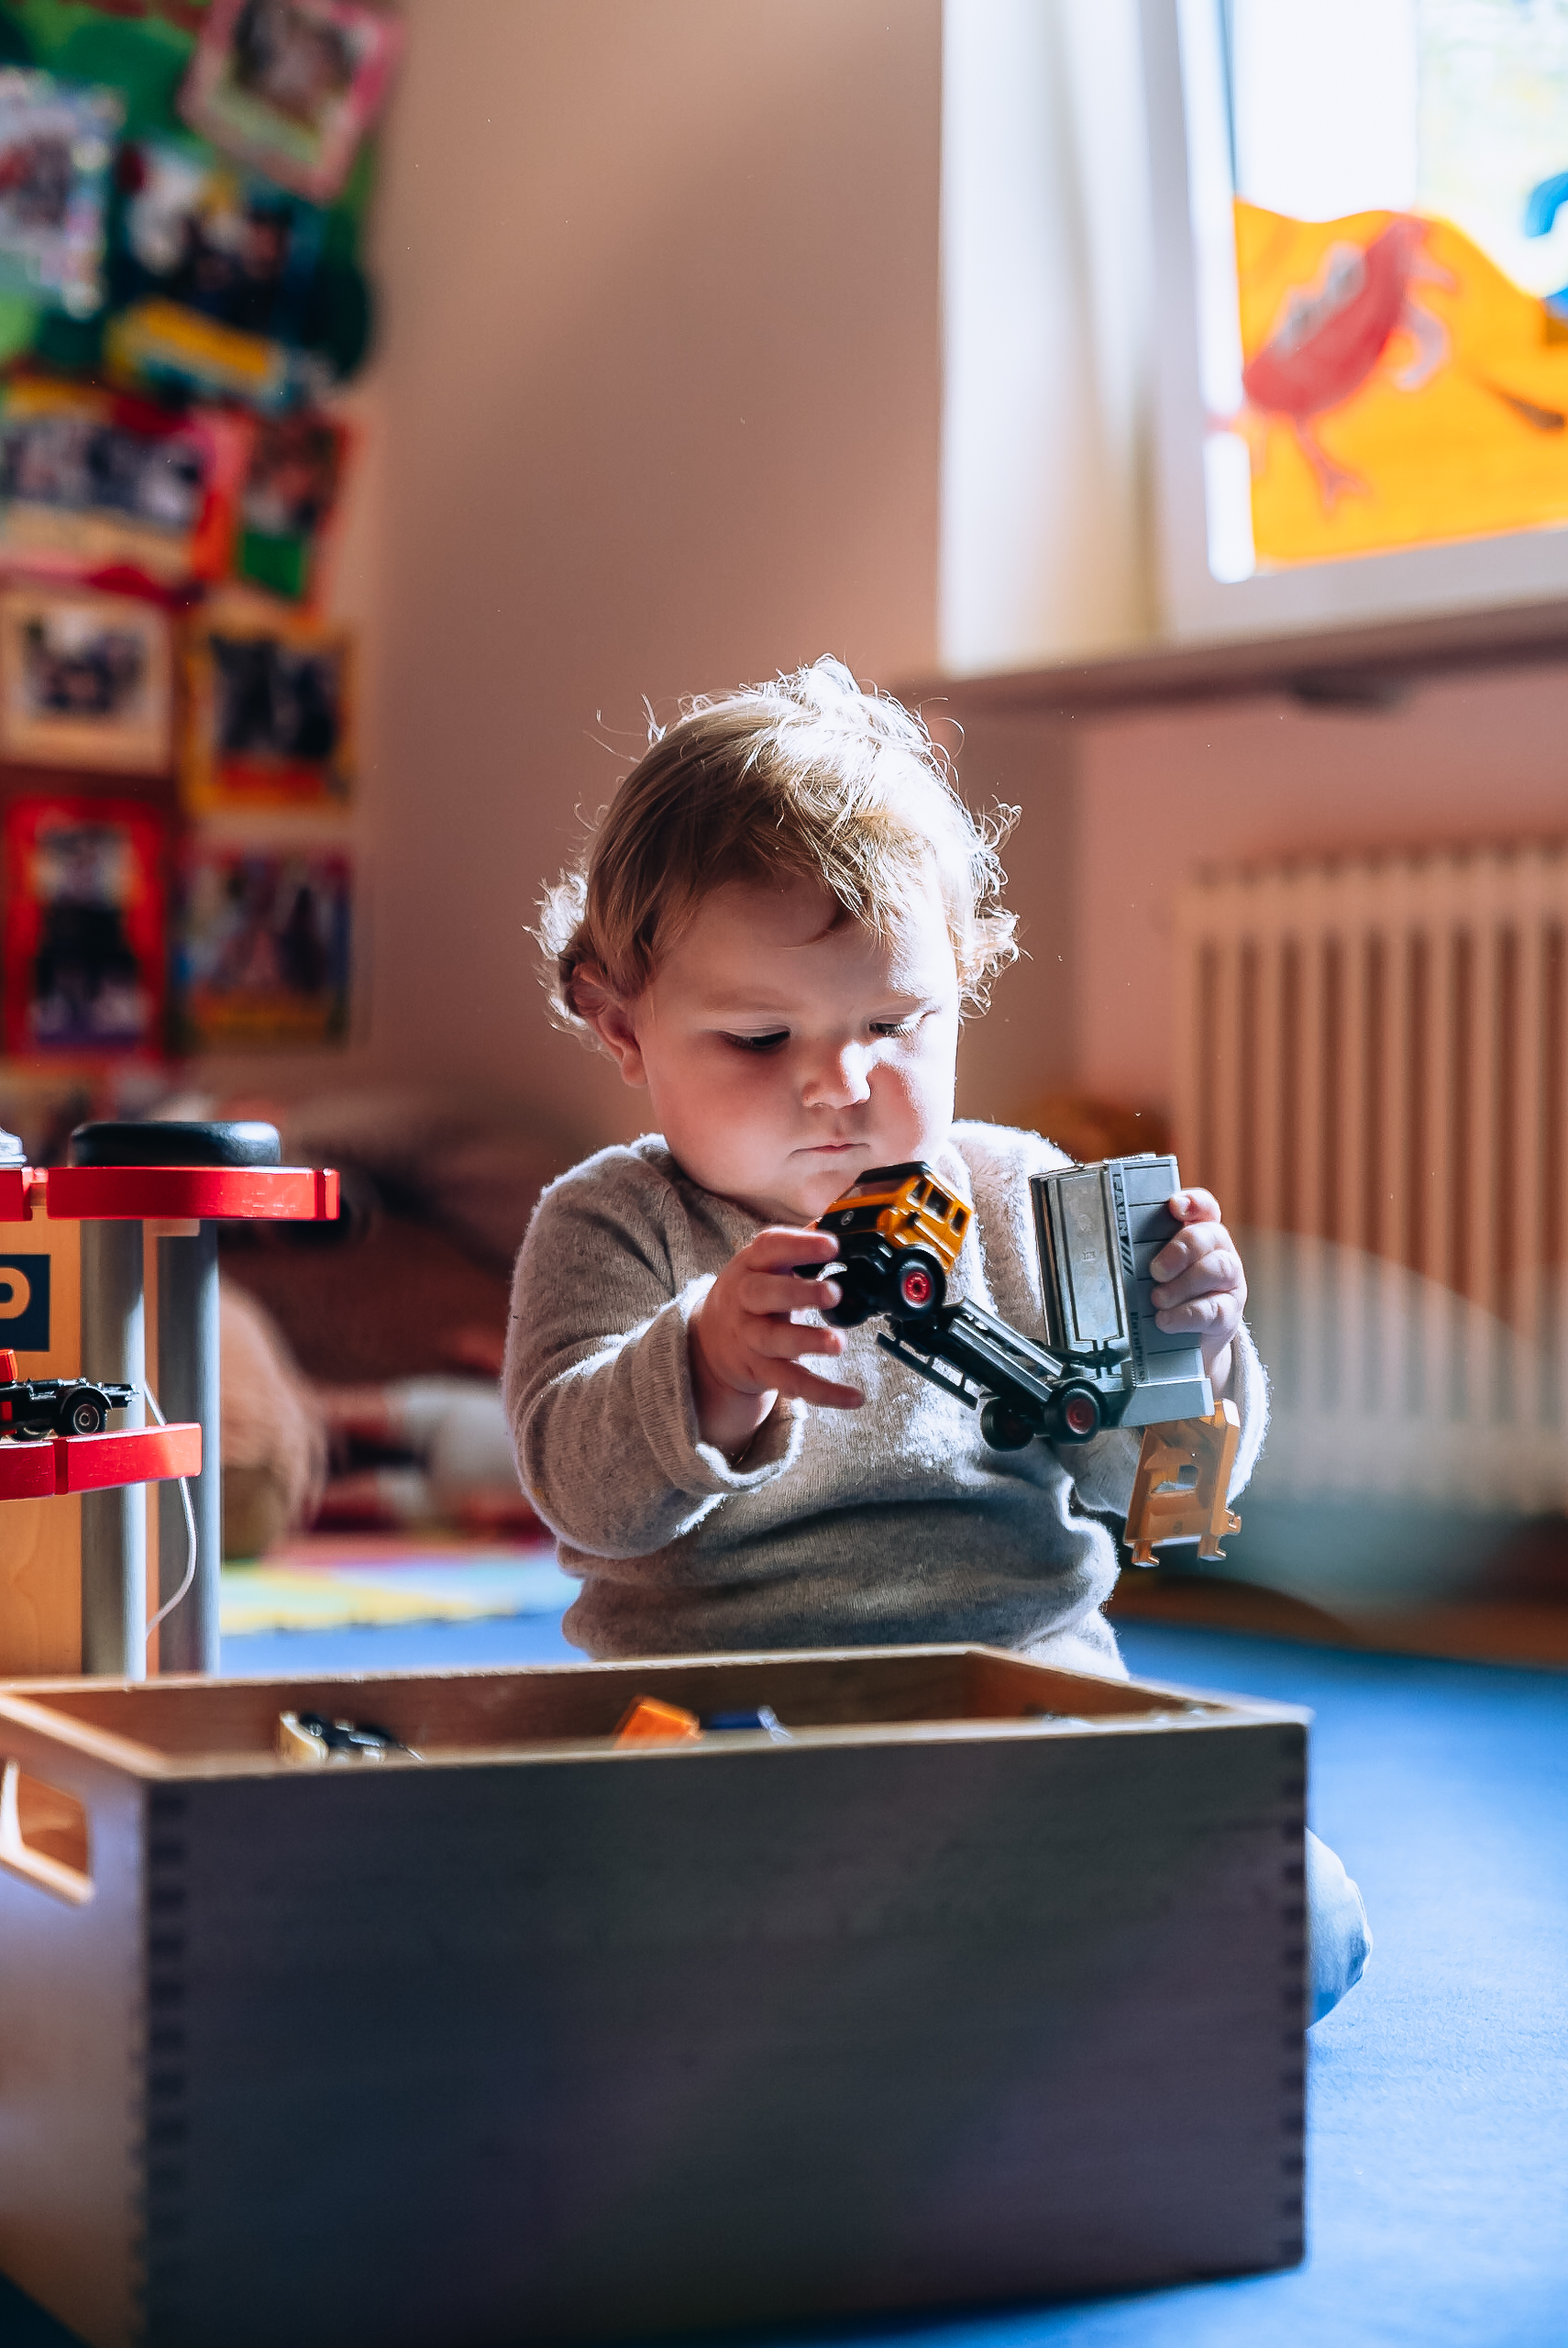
899	1234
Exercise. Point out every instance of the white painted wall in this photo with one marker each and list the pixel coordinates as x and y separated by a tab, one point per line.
1045	259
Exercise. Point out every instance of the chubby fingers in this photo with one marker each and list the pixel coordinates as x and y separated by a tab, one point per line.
793	1378
779	1273
1213	1319
775	1338
768	1358
1201	1252
784	1292
1207	1292
779	1249
1195	1206
1208	1271
744	1330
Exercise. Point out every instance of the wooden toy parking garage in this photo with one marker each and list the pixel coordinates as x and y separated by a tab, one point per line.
130	1224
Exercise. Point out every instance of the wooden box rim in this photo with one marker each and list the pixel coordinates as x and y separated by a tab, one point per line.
45	1711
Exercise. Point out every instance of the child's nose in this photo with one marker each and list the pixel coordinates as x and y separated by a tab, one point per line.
839	1079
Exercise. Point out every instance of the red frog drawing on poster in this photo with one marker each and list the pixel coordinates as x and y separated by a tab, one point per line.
1329	335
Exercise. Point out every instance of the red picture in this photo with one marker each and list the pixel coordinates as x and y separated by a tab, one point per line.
84	935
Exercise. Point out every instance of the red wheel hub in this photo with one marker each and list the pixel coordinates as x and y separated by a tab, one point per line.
1081	1415
915	1287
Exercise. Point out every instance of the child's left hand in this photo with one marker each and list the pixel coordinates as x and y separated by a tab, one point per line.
1201	1287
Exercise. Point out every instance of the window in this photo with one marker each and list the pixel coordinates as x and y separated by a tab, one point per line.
1374	266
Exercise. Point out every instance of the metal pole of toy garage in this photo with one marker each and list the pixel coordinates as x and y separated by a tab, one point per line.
184	1178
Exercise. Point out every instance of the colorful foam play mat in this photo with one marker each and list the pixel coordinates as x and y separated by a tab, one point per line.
329	1583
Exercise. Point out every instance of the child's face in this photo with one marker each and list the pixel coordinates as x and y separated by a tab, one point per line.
784	1050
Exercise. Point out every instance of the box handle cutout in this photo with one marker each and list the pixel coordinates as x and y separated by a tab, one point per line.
43	1835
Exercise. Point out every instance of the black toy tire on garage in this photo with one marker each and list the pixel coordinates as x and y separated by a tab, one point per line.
918	1284
85	1413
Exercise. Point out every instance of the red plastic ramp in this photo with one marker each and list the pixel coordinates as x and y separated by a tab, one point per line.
96	1463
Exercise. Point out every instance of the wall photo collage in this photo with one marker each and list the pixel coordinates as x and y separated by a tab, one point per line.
182	196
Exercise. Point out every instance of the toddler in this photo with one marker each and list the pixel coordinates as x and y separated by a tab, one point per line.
782	921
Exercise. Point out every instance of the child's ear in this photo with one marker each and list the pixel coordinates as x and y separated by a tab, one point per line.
611	1020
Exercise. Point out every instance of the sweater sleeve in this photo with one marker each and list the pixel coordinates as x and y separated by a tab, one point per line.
598	1381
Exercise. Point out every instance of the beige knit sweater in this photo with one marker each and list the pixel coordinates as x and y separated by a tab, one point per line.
891	1523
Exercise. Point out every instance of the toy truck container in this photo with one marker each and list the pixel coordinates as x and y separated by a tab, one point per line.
1100	1227
986	1985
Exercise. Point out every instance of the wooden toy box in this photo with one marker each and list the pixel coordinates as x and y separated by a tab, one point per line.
988	1985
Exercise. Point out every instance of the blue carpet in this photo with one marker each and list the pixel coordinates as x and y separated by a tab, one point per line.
1438	2166
402	1646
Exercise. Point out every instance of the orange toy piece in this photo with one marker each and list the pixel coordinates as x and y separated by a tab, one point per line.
1184	1478
652	1723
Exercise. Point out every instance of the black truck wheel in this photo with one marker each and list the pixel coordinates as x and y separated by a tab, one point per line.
853	1305
1004	1429
86	1411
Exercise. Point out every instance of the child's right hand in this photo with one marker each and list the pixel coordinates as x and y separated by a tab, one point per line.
746	1346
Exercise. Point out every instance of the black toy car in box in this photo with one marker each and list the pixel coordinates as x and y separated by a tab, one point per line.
35	1408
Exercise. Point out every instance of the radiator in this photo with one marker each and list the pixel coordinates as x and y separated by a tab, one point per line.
1373	1053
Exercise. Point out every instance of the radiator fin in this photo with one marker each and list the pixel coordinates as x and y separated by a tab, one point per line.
1372	1053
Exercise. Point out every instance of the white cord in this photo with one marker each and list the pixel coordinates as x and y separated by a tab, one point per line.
184	1589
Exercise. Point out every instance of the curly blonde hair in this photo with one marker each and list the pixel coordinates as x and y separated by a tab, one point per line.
807	778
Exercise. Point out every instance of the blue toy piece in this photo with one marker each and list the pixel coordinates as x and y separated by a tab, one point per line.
1543	204
762	1717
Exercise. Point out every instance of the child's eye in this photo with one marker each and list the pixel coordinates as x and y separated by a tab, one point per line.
769	1043
896	1027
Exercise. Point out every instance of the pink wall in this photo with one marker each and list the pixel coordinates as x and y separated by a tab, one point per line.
1163	795
1025	1045
658	411
1119	811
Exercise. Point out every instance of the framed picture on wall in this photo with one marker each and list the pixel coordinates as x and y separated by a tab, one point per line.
268	713
286	508
91	479
85	681
84	940
204	233
263	947
212	276
56	142
290	86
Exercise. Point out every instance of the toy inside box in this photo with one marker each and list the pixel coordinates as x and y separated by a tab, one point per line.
966	1980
